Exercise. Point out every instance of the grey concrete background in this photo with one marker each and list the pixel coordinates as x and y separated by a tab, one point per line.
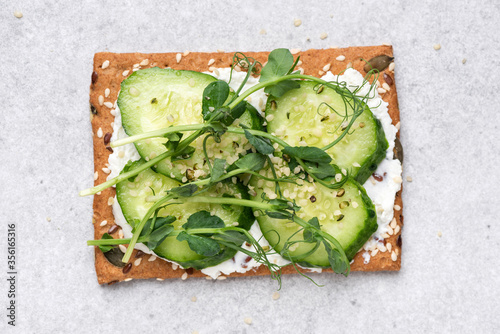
450	132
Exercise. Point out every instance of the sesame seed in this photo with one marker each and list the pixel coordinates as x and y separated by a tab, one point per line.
354	204
409	179
389	246
386	236
145	62
355	164
136	66
323	35
326	68
111	200
263	32
123	248
170	118
137	262
374	252
340	58
297	22
160	279
178	58
397	207
175	266
276	295
103	223
381	248
184	276
381	91
248	320
295	51
397	179
269	118
194	299
105	64
211	62
106	92
337	212
108	105
18	14
397	229
49	219
440	234
99	133
338	177
186	53
386	86
394	223
437	47
100	192
100	99
394	257
221	278
96	175
464	60
151	258
344	171
106	170
220	51
128	279
390	231
121	154
125	73
392	66
321	72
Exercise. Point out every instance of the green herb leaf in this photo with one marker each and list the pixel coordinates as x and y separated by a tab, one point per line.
278	64
234	237
130	166
159	222
173	140
105	249
308	232
321	171
218	169
159	235
203	219
235	113
278	214
214	96
313	154
261	144
251	161
337	263
184	191
200	245
280	88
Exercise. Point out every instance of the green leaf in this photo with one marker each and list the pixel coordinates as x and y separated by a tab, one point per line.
309	232
280	88
321	171
184	154
184	191
214	96
218	169
160	221
335	258
261	144
251	161
227	207
158	236
173	140
313	154
235	113
278	215
200	245
234	237
203	219
128	167
278	64
103	248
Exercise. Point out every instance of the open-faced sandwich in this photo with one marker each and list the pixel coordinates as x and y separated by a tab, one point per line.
219	164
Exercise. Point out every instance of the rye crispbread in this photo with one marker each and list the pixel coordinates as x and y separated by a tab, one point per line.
313	62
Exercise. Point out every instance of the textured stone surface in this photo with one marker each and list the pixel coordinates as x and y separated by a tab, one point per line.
450	132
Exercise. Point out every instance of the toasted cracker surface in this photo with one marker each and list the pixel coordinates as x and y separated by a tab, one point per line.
120	65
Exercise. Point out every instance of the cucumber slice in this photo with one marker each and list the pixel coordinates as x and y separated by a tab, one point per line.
295	117
347	214
155	98
136	197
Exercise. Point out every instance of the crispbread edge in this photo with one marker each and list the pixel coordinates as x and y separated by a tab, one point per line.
313	62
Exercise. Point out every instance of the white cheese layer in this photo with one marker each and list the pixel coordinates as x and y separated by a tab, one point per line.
382	193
